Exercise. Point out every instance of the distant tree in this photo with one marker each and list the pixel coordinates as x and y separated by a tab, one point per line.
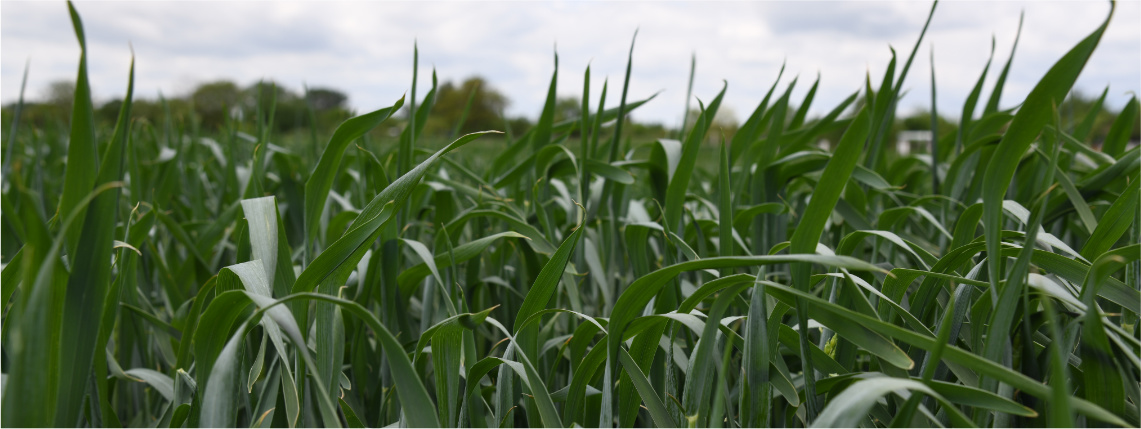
109	111
326	99
265	90
517	126
725	124
329	106
289	111
921	120
60	93
567	108
648	131
213	100
451	99
53	107
1077	107
56	105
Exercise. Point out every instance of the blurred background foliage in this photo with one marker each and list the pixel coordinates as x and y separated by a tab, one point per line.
212	106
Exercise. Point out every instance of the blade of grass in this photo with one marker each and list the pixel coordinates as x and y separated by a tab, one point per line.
343	254
1024	128
849	407
996	93
89	281
1060	412
688	95
968	113
82	171
1082	130
653	403
679	181
807	233
321	179
951	354
1121	129
631	302
12	131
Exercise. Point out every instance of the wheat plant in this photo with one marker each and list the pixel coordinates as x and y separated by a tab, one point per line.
158	274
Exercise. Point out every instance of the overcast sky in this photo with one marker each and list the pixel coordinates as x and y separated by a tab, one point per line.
365	48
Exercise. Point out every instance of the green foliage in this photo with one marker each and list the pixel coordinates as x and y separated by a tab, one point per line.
469	106
166	264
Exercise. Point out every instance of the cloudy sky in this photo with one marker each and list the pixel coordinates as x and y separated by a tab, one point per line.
365	48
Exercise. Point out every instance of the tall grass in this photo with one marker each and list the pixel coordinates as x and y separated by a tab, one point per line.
155	277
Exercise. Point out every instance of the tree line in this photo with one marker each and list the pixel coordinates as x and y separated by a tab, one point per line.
460	107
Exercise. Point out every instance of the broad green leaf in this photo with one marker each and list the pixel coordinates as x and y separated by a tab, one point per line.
261	213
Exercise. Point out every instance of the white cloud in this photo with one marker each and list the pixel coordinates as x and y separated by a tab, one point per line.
365	48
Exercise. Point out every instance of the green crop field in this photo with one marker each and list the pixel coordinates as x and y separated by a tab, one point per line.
162	274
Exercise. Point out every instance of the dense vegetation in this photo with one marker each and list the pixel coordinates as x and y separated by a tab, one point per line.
162	274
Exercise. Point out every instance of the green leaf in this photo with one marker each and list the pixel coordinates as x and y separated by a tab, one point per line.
849	407
162	383
536	239
417	405
1060	412
679	180
542	134
350	415
1122	128
547	281
530	378
411	277
90	277
807	233
1031	118
261	213
639	293
1113	223
213	330
653	403
996	92
447	352
699	378
756	390
609	172
951	354
83	168
967	116
321	180
724	207
342	256
1082	130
